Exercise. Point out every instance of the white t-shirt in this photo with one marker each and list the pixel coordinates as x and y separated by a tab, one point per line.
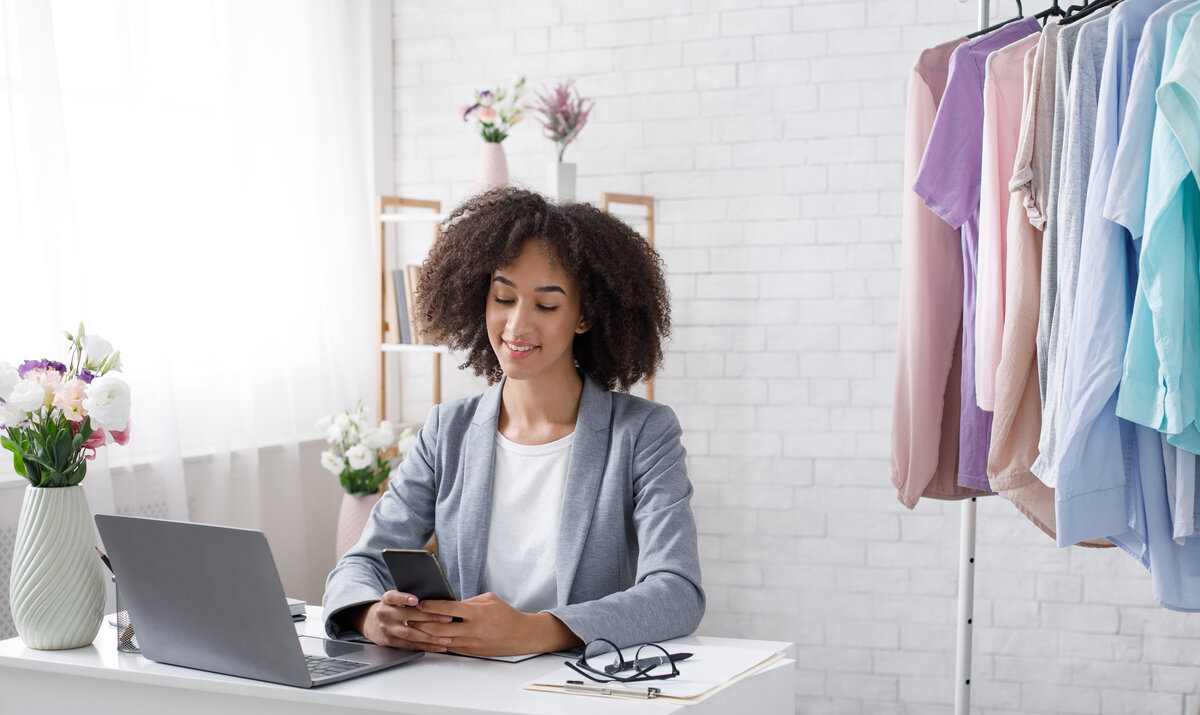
527	496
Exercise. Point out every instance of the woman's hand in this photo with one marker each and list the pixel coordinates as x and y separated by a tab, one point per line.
491	627
396	621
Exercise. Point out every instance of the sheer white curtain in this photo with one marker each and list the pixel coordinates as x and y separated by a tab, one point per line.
192	180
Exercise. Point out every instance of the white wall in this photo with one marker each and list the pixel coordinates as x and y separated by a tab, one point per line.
771	133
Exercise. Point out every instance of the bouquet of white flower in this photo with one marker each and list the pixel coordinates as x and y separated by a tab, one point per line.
54	416
359	455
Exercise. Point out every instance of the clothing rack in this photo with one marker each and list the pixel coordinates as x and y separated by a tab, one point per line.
965	623
966	558
966	550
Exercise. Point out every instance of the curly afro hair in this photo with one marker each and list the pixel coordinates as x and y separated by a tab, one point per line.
622	290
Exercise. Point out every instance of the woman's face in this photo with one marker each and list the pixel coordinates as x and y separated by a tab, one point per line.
533	314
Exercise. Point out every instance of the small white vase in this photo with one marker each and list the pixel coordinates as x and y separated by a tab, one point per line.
492	170
562	181
56	589
352	518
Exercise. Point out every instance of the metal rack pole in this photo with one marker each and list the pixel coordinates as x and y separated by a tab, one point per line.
966	558
966	608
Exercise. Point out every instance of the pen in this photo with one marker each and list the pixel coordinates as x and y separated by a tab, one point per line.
104	558
646	664
577	686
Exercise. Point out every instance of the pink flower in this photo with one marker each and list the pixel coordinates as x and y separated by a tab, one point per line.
97	439
122	437
69	396
47	379
485	114
94	442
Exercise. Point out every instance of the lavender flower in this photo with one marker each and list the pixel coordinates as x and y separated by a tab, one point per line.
563	114
30	365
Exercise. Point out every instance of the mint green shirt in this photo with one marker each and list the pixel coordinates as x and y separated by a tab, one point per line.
1159	381
1179	97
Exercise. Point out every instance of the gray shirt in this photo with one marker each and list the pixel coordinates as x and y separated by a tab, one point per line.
1060	247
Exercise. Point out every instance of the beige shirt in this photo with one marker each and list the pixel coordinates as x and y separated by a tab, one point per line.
1017	421
1034	148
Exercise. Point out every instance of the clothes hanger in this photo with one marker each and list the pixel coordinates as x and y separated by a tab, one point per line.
997	26
1053	11
1078	12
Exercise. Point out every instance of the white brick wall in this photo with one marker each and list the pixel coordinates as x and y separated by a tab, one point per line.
771	132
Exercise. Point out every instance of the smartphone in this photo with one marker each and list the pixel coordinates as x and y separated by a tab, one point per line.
418	572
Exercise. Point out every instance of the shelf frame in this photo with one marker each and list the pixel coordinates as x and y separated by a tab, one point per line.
647	202
383	217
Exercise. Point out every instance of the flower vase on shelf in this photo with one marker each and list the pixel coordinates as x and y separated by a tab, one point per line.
563	114
56	589
494	113
352	518
492	170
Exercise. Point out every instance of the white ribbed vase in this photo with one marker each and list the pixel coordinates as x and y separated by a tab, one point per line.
56	589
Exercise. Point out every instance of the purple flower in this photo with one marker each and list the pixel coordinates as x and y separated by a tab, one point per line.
86	376
563	114
30	365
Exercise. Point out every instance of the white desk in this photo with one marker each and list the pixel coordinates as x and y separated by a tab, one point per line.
98	679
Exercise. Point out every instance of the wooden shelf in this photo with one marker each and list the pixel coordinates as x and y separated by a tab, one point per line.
412	218
406	210
410	348
607	199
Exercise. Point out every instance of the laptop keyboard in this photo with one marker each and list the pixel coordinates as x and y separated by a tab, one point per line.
320	667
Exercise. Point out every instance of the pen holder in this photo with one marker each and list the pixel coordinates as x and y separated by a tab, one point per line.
126	639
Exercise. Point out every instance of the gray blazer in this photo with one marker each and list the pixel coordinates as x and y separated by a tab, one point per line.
627	566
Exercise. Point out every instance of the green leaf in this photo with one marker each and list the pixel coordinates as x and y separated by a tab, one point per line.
38	461
61	447
18	464
9	444
77	473
84	434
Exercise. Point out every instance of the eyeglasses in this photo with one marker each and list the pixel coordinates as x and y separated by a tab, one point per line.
647	658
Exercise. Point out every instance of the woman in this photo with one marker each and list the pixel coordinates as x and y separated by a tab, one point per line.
561	508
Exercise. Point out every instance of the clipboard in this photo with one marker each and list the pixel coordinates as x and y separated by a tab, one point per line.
710	670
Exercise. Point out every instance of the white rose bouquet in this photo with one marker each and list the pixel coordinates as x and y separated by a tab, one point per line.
361	456
53	417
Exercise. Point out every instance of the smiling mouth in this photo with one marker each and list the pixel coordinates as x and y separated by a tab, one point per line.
518	351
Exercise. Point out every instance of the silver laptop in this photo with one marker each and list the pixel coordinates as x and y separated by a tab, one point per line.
209	597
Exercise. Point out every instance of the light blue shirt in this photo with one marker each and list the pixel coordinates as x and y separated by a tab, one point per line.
1126	202
1098	493
1174	566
